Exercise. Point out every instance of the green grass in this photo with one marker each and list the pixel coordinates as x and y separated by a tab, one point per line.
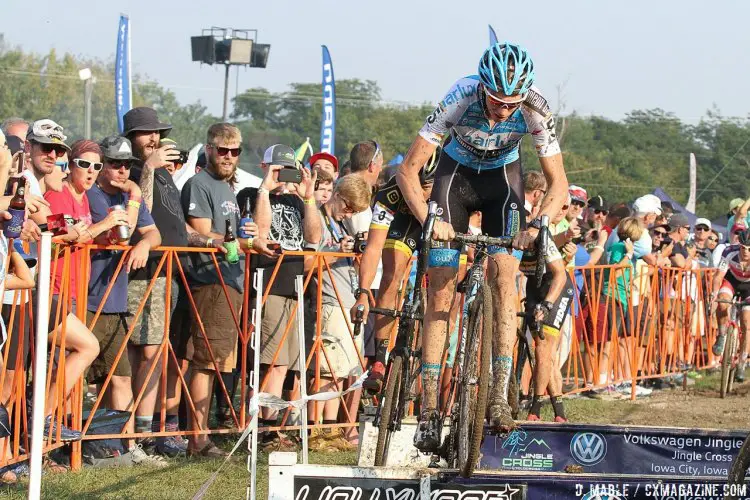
179	481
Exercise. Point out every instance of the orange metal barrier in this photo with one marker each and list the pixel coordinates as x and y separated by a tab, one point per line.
611	341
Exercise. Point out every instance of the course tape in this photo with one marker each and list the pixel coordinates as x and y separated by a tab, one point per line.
270	401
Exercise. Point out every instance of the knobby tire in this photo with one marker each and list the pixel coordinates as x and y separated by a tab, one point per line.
726	363
473	398
739	466
388	409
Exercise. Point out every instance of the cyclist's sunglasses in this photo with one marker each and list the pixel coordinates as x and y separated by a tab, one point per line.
85	164
745	247
496	101
234	152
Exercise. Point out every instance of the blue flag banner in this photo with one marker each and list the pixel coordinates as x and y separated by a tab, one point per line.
122	71
493	36
328	123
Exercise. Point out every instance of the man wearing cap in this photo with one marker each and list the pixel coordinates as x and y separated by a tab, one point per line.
598	211
154	160
646	209
702	233
578	199
290	220
682	253
113	187
327	162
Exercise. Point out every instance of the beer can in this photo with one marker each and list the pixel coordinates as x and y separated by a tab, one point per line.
120	233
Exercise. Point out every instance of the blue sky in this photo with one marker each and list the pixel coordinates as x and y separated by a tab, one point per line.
608	57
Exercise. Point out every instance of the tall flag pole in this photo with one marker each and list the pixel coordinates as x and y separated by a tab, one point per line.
493	36
328	122
122	71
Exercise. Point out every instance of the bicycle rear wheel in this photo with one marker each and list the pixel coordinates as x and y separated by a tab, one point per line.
726	363
739	466
388	409
475	382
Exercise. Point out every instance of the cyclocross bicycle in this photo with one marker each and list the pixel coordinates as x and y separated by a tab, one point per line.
470	383
729	359
404	361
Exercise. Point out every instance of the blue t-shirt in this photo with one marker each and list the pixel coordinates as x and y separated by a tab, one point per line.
104	262
581	259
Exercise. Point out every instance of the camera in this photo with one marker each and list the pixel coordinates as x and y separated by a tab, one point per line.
360	242
666	241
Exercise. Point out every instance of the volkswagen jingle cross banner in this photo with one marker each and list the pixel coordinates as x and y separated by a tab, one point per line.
328	123
122	71
613	450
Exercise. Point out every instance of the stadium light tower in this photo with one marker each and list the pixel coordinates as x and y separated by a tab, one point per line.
230	47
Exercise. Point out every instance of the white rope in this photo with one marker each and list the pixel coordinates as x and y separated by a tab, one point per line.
270	401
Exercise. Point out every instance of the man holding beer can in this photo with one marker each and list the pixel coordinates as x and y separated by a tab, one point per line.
114	191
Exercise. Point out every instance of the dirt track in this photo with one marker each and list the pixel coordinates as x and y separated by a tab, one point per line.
699	406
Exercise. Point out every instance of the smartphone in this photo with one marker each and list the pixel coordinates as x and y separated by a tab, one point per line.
289	174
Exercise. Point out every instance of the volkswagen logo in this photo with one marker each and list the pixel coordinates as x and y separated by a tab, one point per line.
600	496
588	448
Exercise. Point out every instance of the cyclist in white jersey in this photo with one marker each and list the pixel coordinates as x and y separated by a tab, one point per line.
479	169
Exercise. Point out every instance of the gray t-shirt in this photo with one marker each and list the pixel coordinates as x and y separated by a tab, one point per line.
207	197
343	271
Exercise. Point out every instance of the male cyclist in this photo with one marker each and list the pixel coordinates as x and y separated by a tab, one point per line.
733	279
394	233
486	115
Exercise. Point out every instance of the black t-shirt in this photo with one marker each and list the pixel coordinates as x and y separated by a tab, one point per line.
680	249
287	215
168	217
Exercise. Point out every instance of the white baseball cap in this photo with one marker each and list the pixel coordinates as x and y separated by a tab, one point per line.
702	221
647	204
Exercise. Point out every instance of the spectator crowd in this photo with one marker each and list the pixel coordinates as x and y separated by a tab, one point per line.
120	191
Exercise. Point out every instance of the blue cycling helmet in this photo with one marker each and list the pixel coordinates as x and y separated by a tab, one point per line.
507	68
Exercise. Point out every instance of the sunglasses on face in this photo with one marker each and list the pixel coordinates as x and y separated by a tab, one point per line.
377	151
85	164
578	204
601	212
745	247
713	240
660	234
221	151
117	165
701	228
499	103
565	207
48	148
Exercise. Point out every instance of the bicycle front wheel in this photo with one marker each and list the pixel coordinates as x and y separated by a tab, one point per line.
726	363
388	410
475	382
739	466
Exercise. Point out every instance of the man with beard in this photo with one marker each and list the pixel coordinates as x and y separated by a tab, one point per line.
210	205
162	198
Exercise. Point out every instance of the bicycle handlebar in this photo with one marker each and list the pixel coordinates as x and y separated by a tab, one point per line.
483	239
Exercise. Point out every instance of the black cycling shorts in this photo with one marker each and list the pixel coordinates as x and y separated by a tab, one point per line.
556	317
736	288
404	233
497	193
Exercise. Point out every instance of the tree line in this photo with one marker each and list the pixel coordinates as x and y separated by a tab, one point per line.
618	159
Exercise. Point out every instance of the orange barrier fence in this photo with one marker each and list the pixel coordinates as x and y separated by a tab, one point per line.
660	326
